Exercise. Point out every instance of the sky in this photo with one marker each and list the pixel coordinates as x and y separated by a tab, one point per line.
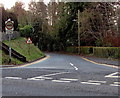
9	3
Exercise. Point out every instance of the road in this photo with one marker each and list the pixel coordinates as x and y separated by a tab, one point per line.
61	75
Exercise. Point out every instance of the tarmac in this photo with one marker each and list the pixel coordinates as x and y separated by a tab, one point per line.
108	61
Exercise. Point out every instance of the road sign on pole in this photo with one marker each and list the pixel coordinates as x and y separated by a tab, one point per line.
9	26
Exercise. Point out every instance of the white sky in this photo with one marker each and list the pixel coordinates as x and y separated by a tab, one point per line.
9	3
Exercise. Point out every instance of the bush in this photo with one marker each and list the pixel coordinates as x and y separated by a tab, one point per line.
107	52
26	31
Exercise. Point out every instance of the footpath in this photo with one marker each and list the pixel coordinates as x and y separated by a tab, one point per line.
110	61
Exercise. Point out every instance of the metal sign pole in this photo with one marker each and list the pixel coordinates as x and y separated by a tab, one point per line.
29	49
9	48
29	41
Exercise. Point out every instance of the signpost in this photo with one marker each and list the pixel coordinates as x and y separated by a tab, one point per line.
29	41
9	27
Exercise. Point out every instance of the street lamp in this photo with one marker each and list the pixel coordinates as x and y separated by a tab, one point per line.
78	31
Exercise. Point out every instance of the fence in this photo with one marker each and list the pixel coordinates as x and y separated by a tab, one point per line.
14	53
5	36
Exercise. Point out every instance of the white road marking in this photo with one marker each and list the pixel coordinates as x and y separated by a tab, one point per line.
94	82
113	75
54	74
39	78
115	84
43	77
90	83
13	78
69	79
35	79
71	64
60	81
74	66
97	81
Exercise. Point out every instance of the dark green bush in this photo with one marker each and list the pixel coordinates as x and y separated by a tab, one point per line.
26	31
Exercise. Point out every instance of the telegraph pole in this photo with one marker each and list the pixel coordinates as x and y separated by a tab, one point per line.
78	31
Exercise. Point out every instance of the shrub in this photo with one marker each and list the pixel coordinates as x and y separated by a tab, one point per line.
26	31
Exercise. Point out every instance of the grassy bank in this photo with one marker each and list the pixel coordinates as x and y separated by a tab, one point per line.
5	60
30	51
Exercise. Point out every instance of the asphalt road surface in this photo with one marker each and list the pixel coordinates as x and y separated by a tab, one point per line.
61	75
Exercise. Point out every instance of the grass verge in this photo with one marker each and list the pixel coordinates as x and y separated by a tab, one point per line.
5	60
30	51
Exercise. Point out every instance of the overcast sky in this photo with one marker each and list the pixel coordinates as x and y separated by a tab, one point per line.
9	3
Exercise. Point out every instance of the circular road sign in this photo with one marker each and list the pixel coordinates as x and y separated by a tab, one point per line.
9	25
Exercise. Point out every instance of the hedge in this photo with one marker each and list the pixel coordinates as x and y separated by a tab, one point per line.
72	49
83	50
86	50
105	52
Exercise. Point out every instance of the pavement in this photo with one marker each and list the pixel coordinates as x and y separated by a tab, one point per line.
104	60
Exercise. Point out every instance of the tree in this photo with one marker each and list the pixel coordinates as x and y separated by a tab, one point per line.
65	27
102	22
52	12
20	12
38	11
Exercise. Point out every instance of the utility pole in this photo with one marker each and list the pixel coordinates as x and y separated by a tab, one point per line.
78	31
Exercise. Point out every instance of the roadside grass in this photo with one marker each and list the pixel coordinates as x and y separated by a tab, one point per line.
30	51
5	60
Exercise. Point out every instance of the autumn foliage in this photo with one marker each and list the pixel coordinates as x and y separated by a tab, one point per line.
112	41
